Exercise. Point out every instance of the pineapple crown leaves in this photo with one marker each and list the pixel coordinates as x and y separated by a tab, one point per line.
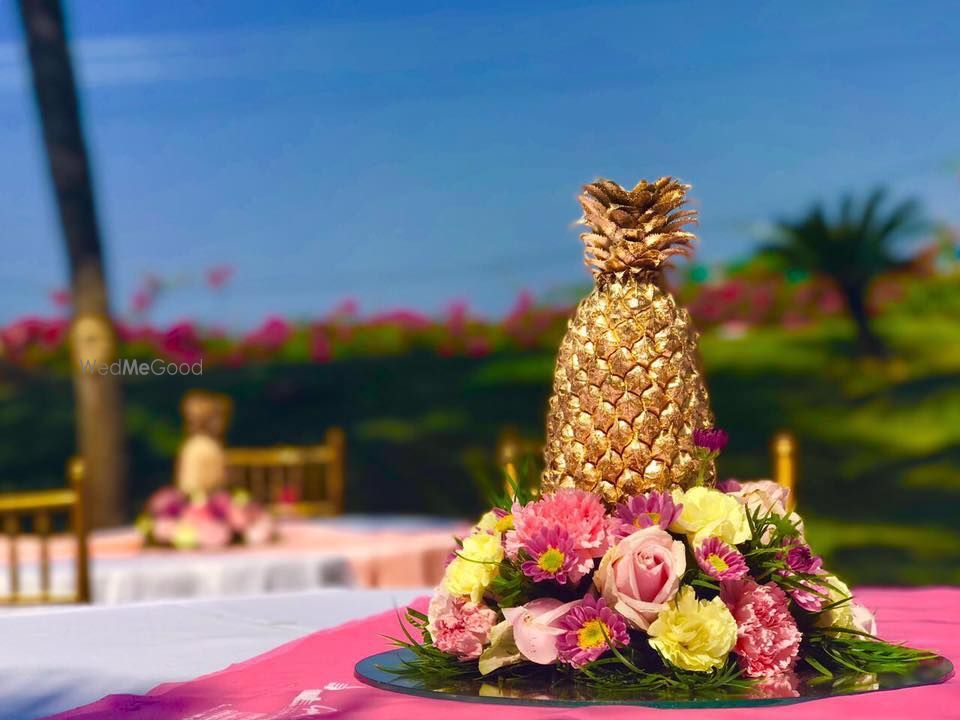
635	230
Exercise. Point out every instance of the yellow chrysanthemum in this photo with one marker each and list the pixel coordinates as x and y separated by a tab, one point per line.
475	567
710	513
694	634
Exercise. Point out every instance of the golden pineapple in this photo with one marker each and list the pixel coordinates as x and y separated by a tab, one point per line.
628	391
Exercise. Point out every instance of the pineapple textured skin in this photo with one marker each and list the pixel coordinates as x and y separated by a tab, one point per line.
628	389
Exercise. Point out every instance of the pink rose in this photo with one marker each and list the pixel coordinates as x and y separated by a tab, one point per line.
640	574
767	636
458	626
536	628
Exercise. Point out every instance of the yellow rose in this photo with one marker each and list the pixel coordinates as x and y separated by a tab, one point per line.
475	567
694	634
710	513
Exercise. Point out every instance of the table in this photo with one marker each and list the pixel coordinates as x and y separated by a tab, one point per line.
314	674
55	659
351	550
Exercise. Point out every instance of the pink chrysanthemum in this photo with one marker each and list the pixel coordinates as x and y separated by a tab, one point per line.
652	508
767	636
552	557
578	513
588	626
810	597
720	560
458	626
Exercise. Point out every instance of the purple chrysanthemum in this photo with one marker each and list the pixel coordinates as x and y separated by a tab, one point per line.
711	439
652	508
800	558
588	627
553	556
720	560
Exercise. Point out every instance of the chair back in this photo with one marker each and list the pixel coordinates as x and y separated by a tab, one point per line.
39	509
512	451
783	457
303	480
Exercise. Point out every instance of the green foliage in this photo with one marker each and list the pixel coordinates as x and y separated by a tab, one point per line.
842	650
854	246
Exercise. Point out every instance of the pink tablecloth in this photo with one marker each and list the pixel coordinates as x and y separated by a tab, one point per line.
313	677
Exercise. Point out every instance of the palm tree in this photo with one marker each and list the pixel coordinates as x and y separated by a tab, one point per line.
852	249
99	409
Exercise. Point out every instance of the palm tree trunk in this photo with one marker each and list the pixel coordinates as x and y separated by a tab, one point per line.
867	340
99	413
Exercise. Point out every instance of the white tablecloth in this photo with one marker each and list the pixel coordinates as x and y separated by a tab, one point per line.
167	575
56	659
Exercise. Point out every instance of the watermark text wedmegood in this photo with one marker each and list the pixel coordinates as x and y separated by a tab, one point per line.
131	366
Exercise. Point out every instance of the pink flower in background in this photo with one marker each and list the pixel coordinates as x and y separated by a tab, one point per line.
220	504
457	317
590	628
163	529
219	276
652	508
536	628
213	534
272	334
720	560
141	302
260	530
768	640
320	350
181	343
167	502
458	626
60	298
580	514
207	531
642	572
552	557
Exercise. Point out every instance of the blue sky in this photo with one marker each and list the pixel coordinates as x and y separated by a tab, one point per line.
410	154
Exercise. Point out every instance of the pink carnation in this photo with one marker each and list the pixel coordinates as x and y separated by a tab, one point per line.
458	626
767	636
579	514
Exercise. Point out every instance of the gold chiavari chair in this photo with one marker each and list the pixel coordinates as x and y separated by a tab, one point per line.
512	452
511	449
40	507
300	480
783	456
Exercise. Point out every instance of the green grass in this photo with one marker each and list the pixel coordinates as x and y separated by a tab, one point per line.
879	441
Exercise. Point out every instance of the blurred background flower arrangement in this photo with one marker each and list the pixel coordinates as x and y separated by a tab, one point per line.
173	518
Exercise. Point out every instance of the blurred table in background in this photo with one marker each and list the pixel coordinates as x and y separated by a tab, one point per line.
358	550
69	656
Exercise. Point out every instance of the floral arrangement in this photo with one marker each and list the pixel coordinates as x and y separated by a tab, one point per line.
709	588
206	522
